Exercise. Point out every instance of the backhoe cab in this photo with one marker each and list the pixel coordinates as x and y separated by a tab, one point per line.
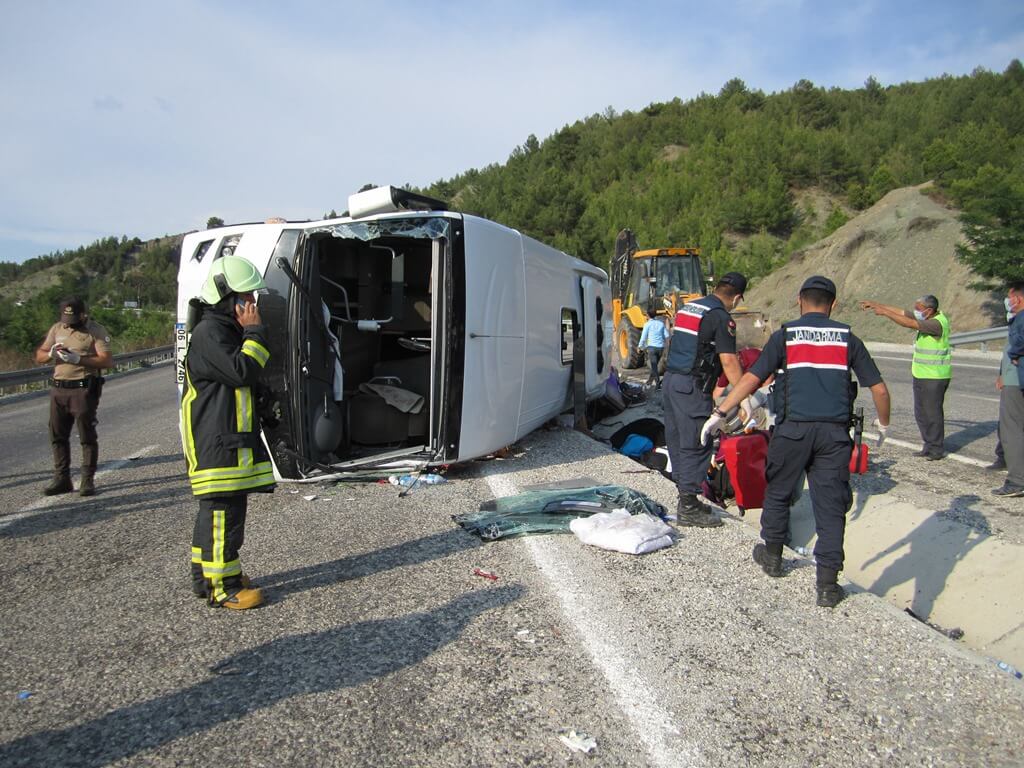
662	278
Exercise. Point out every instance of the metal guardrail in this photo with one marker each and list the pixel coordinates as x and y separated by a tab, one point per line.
981	337
31	375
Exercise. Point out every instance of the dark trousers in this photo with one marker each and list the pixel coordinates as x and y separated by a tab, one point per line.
218	535
821	449
1011	432
68	408
686	410
653	359
929	398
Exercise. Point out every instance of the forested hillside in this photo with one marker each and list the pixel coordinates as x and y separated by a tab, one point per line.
725	171
106	274
110	271
749	177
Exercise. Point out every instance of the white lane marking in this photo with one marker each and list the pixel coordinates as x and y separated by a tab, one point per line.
918	447
48	501
974	397
645	709
994	367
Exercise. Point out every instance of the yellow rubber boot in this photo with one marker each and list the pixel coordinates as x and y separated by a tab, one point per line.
244	599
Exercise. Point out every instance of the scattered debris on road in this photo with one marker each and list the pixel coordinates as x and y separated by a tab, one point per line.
953	634
552	511
578	742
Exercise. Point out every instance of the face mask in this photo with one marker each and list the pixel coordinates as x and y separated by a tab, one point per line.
919	315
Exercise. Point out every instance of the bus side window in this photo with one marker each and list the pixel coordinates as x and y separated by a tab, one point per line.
568	337
201	250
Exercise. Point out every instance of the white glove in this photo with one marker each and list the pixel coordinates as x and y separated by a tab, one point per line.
53	351
749	405
712	425
69	356
882	432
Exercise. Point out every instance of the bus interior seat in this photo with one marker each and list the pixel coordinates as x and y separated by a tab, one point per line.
372	421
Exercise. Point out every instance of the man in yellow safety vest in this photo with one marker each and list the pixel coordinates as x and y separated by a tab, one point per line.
932	367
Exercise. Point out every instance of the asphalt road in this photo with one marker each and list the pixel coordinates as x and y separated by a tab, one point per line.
379	646
137	425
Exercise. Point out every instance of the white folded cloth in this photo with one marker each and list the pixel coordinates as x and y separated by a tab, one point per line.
620	531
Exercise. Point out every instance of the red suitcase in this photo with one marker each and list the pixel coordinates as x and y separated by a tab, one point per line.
859	455
745	457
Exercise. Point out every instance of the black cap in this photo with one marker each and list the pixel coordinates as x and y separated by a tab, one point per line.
736	280
820	283
71	310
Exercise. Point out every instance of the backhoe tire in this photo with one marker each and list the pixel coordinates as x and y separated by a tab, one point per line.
627	343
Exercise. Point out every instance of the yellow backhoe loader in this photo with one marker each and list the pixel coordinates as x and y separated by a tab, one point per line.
662	278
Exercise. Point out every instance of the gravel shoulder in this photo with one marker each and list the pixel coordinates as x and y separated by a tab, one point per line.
751	672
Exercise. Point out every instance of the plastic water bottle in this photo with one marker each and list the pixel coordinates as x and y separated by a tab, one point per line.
408	481
1010	670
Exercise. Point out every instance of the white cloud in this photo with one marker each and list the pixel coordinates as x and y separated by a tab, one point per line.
108	103
146	120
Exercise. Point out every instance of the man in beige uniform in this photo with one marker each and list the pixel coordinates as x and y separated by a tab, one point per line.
80	349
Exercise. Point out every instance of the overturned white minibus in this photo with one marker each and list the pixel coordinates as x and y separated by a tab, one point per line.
409	334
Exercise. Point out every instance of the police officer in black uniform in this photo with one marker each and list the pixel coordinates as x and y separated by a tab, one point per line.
703	346
812	358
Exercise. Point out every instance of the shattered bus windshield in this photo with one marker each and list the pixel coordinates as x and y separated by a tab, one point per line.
421	227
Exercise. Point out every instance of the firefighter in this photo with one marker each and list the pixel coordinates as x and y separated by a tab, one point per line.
220	430
80	349
703	346
812	358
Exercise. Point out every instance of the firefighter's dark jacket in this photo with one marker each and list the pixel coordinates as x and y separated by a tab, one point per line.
219	427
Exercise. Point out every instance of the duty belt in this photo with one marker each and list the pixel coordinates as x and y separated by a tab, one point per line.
70	384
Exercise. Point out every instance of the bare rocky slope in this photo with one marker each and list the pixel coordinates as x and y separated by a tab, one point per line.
899	249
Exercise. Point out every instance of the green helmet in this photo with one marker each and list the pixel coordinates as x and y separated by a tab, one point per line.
230	274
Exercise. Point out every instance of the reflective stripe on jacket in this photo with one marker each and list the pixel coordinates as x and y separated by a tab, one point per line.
933	357
682	353
219	428
816	378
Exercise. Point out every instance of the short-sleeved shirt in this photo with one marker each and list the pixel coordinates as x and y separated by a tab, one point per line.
774	354
88	341
718	328
929	327
747	356
654	333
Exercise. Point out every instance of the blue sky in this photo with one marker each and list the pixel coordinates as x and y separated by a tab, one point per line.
147	118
